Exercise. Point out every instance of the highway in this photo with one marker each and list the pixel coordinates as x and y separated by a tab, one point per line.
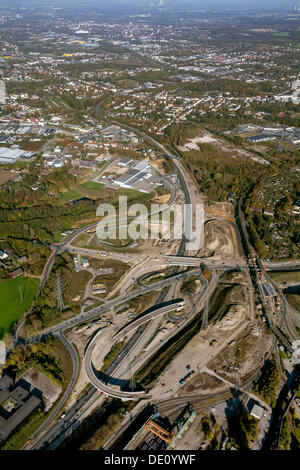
63	400
128	329
181	251
192	261
139	328
164	286
95	312
60	247
57	249
85	317
72	419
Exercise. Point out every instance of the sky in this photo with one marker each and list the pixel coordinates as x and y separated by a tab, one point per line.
258	5
220	3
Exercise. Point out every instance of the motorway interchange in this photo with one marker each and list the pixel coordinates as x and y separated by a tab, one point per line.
145	325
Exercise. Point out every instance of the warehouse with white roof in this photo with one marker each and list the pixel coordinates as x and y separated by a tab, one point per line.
8	155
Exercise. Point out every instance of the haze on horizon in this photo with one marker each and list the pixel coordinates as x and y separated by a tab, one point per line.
259	5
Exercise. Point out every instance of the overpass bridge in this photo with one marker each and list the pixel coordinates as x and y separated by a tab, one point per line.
183	260
146	318
193	261
282	265
127	329
99	384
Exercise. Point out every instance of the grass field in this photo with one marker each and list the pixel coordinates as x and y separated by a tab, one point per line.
70	195
92	185
285	276
76	285
12	308
283	34
294	301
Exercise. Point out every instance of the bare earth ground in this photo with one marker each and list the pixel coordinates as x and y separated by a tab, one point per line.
198	353
244	354
223	145
193	436
221	239
221	209
6	176
159	164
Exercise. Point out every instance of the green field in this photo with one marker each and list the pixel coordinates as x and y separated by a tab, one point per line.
285	276
70	195
92	185
12	308
294	301
283	34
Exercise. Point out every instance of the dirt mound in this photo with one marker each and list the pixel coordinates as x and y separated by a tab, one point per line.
219	239
234	316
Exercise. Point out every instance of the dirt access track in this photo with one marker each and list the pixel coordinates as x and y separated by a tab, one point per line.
225	210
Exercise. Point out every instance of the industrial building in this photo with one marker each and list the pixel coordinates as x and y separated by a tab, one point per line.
257	411
35	379
269	292
158	433
16	404
140	171
261	138
8	155
2	92
126	162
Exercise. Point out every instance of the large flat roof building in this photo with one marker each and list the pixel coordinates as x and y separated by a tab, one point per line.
2	92
8	155
16	404
257	411
261	138
269	292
